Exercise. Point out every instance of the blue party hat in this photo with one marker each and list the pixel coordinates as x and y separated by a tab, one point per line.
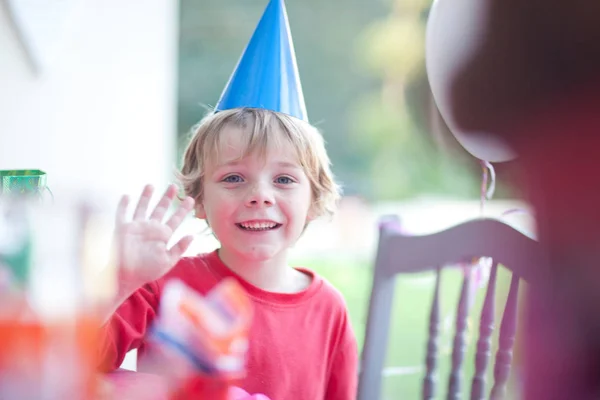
266	75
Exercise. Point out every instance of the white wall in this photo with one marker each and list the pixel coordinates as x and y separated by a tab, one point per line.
102	116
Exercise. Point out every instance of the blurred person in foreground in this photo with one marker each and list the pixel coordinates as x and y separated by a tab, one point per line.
534	81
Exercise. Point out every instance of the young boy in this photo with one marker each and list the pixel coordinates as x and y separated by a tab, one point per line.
258	172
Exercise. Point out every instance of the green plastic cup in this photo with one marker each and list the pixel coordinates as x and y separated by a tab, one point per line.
23	182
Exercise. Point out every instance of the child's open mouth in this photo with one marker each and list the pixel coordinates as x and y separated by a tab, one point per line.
258	226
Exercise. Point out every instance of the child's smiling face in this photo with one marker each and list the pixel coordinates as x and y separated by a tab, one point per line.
257	204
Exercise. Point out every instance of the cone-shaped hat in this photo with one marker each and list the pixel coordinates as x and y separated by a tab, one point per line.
266	75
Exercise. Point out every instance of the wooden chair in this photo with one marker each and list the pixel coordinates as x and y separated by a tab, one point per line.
401	254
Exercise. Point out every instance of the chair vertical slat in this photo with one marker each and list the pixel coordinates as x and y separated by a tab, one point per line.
376	338
378	322
484	343
506	341
459	346
429	382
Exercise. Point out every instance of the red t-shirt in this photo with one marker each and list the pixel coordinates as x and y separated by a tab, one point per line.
302	346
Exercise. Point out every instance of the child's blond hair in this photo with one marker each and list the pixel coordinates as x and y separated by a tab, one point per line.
260	128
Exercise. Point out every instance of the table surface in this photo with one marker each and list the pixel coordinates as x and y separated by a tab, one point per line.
124	384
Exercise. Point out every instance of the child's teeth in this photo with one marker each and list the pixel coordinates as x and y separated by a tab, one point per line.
260	225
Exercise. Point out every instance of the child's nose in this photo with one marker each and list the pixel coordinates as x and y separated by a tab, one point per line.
260	195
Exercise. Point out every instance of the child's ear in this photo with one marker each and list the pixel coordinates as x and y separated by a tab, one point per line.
200	212
312	214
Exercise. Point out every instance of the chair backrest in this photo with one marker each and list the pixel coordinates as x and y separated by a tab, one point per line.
399	253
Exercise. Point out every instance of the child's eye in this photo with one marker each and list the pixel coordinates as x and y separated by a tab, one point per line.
233	179
284	180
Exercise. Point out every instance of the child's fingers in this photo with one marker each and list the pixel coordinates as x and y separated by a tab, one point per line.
180	247
178	216
122	210
163	205
142	205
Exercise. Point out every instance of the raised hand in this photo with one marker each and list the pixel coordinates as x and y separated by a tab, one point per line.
142	242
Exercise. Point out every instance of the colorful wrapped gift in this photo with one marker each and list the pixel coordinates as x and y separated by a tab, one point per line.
201	342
